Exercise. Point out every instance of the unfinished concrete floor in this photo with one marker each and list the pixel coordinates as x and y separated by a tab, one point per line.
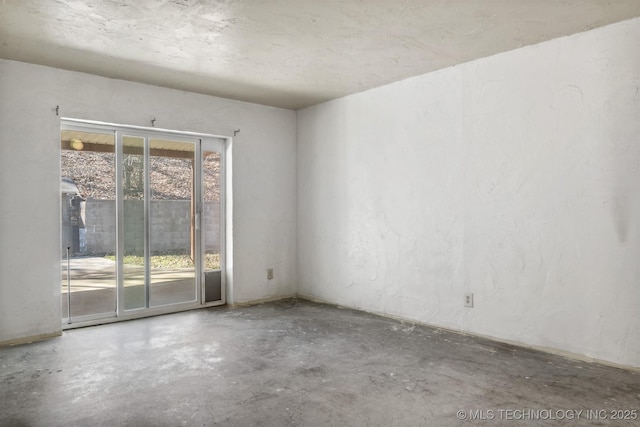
297	363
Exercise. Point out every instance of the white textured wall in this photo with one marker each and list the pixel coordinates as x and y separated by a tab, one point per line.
515	177
264	182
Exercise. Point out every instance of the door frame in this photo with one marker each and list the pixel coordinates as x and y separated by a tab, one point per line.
218	145
222	144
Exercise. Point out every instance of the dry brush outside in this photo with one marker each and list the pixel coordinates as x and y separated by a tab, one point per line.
171	178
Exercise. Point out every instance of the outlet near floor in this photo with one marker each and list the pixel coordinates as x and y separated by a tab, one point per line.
468	300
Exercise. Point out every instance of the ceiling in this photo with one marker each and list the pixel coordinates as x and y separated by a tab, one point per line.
284	53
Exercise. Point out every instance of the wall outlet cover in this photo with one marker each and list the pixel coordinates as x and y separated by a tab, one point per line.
468	300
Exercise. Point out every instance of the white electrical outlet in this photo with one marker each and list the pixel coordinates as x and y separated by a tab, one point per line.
468	300
269	273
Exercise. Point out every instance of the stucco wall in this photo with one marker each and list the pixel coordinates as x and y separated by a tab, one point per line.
264	179
514	177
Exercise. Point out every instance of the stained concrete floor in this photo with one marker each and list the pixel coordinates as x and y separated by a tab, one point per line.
298	363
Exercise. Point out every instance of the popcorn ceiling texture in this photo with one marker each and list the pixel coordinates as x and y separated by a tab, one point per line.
284	53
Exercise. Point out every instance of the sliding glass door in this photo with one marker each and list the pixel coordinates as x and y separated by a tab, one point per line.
155	242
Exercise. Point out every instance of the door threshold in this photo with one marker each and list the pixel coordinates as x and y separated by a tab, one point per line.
83	323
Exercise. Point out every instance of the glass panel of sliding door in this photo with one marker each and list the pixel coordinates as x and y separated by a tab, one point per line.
172	233
133	178
212	221
88	224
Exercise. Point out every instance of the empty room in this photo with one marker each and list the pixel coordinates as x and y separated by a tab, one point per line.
319	212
